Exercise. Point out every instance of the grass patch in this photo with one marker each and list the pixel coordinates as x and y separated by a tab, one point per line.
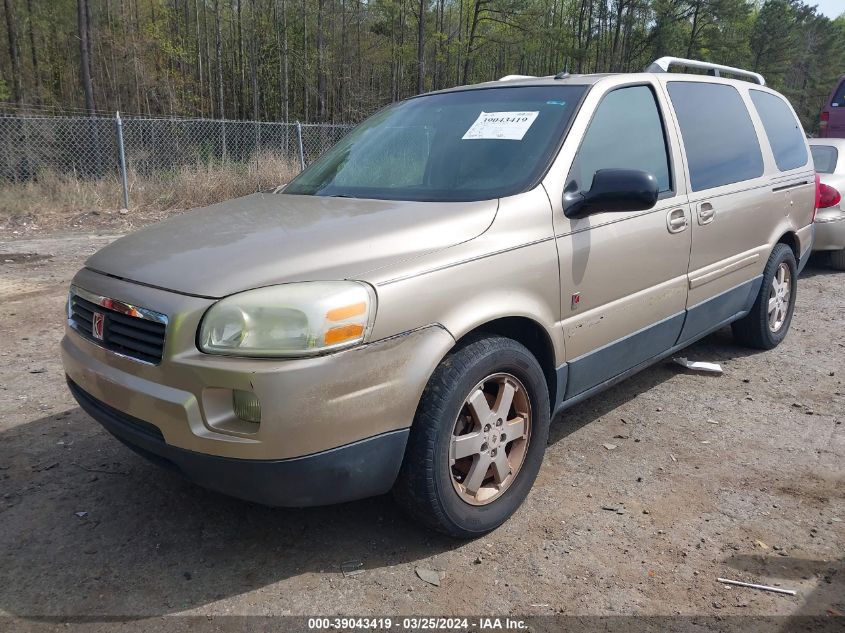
55	201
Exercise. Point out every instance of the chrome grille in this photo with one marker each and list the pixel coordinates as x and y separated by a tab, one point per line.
117	326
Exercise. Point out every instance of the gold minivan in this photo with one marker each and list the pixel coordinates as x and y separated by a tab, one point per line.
413	309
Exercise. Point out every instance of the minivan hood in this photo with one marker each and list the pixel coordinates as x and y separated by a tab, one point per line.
271	238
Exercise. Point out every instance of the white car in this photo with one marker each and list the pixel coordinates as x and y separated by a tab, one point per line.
829	158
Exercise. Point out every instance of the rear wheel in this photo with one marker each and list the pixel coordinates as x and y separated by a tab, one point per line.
478	439
766	325
837	259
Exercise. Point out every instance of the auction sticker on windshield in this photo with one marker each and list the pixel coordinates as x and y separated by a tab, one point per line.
510	126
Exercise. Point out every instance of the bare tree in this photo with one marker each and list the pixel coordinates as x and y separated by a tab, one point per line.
221	103
284	59
253	64
423	8
321	70
199	55
14	51
84	22
33	48
480	6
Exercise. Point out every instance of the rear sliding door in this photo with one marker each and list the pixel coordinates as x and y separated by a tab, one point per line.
731	198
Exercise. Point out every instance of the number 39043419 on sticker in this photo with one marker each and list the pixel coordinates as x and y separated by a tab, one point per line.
510	126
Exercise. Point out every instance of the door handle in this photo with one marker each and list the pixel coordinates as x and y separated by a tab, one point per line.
676	220
706	213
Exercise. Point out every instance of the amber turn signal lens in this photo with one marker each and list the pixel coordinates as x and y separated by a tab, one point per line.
344	333
346	312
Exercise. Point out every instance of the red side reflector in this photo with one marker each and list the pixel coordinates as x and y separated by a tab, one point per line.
828	196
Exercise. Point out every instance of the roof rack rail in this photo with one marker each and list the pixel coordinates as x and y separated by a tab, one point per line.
662	66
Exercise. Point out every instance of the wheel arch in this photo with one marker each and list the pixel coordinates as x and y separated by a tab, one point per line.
528	332
790	238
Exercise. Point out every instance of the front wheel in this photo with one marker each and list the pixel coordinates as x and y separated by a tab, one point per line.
766	325
478	439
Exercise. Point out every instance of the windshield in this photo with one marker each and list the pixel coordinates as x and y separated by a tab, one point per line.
457	146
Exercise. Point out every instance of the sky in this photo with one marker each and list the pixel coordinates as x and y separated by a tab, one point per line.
831	8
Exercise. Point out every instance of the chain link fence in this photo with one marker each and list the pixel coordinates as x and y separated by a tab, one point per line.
143	157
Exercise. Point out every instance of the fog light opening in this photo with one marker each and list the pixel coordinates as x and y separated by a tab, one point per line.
246	405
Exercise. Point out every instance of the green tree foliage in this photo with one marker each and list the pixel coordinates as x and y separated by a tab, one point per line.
338	60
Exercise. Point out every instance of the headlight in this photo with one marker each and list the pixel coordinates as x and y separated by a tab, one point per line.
299	319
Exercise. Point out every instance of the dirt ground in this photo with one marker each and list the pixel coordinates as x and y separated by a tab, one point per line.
740	476
34	223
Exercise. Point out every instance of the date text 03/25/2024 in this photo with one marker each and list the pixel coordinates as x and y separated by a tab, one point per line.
417	624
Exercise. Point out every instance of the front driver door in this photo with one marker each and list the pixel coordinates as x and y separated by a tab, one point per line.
623	275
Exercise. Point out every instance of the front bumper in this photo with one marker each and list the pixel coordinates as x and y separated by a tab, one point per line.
356	471
308	405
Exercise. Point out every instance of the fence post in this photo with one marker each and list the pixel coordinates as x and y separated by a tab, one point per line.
256	151
27	143
122	157
301	148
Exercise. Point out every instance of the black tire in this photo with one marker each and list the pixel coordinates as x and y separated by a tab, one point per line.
424	488
753	330
837	259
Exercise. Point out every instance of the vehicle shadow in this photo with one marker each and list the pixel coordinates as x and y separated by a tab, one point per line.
90	530
717	347
819	264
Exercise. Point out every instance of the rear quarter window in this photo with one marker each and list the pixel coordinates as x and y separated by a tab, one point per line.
719	138
785	134
824	158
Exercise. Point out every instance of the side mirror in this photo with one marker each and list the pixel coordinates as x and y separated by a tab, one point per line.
613	190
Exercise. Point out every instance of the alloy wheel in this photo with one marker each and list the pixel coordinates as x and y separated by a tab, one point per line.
779	296
490	439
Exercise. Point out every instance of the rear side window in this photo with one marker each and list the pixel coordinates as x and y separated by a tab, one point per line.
719	138
783	130
824	158
626	133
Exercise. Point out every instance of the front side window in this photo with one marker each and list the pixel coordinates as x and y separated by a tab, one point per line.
626	132
824	158
785	134
454	146
719	138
